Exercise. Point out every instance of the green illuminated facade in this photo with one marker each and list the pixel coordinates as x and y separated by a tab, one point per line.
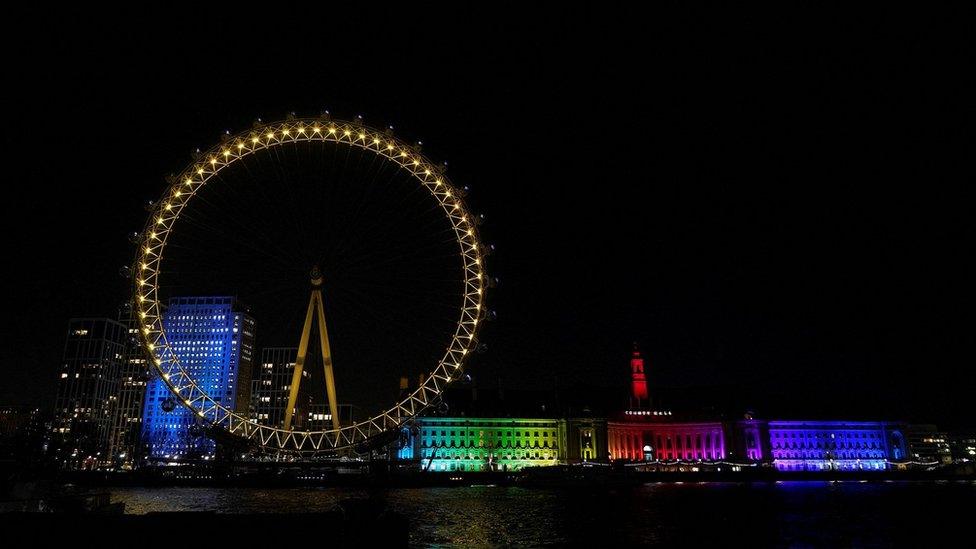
460	444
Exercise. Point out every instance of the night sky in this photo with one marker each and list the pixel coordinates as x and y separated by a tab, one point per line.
776	208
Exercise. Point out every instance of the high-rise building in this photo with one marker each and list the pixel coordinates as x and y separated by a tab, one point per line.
87	391
13	418
319	417
269	390
21	434
963	447
213	337
928	445
128	407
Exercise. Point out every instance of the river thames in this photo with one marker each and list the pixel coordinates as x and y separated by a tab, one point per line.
760	514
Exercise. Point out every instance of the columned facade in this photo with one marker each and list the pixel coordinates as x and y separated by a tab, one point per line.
647	440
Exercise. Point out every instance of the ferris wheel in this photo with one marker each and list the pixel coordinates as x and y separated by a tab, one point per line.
275	143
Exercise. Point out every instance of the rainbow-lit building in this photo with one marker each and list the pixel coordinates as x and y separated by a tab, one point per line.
464	444
484	444
654	438
642	435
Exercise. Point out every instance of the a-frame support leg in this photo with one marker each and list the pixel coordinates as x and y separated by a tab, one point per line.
296	377
315	302
327	359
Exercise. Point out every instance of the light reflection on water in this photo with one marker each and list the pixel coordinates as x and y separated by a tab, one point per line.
875	514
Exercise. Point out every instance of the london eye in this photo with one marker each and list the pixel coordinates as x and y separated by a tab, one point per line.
318	223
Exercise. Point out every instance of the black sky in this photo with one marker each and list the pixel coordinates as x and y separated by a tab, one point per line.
777	208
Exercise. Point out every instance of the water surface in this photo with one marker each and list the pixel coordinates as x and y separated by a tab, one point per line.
780	514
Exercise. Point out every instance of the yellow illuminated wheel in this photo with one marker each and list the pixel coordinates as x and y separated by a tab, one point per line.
264	139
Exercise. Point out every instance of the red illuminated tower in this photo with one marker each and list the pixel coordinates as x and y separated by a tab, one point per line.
638	385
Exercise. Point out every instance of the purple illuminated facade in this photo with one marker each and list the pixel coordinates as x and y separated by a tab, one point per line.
835	445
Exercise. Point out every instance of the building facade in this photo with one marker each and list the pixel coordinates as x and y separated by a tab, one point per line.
464	444
126	428
928	445
835	445
485	444
318	417
963	447
87	391
642	433
214	340
636	437
14	418
22	434
270	387
749	440
585	440
663	438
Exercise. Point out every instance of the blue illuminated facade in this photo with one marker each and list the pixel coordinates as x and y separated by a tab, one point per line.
214	341
835	445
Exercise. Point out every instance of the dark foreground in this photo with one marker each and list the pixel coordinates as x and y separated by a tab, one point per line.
689	514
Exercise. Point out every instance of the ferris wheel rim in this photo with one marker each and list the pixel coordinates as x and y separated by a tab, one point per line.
266	136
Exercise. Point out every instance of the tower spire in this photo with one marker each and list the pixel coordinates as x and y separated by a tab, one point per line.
638	385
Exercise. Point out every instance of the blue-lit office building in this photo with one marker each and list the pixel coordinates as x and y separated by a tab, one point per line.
214	340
